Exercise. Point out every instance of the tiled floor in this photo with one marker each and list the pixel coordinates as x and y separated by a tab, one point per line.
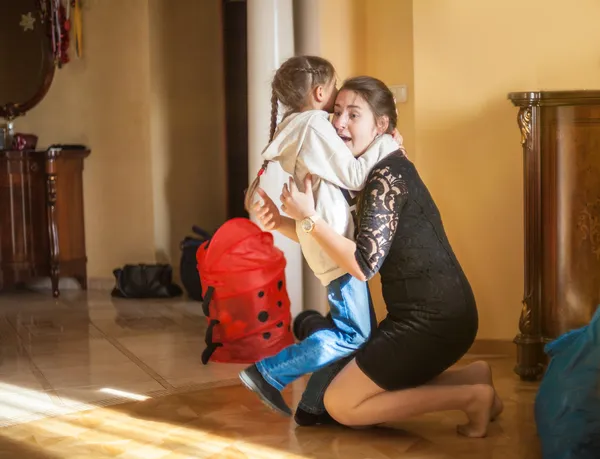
66	352
70	351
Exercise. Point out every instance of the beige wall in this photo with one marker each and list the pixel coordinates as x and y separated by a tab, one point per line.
388	50
373	37
146	98
468	55
388	55
343	35
103	101
459	60
187	120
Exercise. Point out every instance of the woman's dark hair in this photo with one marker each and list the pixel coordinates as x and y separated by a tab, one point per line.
377	95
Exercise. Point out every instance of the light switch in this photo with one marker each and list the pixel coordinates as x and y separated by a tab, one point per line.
400	93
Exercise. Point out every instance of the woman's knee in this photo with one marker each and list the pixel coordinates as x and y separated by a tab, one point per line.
337	409
350	388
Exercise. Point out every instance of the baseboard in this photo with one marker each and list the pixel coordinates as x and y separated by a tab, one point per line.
101	283
494	347
44	284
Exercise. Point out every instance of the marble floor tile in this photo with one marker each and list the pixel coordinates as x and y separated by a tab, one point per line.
65	356
230	422
120	392
107	374
24	399
165	345
184	372
69	369
71	348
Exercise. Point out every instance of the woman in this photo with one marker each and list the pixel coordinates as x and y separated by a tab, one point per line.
432	317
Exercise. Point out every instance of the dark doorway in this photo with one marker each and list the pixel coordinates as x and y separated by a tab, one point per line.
236	104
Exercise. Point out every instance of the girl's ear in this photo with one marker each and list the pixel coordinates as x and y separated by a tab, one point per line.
383	122
319	93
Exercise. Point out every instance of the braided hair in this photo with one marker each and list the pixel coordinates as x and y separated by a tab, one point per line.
292	85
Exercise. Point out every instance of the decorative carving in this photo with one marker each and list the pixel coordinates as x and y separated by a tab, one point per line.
588	224
524	120
588	202
529	373
529	340
525	322
530	356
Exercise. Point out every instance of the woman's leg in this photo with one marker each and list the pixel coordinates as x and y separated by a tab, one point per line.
311	410
348	299
478	372
353	399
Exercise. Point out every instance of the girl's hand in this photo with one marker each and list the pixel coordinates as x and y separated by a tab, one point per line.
266	212
295	203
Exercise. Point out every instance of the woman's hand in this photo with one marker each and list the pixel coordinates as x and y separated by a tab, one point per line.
295	203
267	212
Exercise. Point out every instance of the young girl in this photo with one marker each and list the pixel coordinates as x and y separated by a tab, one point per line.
306	142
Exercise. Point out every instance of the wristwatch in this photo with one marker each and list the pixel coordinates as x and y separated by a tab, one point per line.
308	224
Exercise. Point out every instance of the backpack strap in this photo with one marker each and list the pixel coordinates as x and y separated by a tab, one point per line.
206	300
211	347
201	232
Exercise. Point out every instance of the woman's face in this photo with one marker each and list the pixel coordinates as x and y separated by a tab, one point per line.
354	121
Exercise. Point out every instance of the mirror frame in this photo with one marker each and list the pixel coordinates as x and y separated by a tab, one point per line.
12	110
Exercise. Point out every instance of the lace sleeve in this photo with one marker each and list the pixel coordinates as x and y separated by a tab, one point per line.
381	203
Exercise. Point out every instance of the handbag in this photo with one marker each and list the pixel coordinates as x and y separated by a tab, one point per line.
145	281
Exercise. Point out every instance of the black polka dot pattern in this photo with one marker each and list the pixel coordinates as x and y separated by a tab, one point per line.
263	316
266	335
261	294
279	303
280	324
279	285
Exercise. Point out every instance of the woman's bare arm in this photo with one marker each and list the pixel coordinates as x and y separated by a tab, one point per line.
340	249
382	201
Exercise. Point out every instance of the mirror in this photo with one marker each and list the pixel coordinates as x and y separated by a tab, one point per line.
26	57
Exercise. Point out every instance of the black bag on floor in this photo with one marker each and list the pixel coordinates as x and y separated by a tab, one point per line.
188	267
145	281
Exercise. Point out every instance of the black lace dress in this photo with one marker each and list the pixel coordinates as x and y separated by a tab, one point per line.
432	317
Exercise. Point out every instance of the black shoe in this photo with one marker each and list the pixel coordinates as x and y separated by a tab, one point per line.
306	419
270	396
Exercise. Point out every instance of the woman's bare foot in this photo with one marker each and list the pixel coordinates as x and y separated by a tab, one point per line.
482	374
478	411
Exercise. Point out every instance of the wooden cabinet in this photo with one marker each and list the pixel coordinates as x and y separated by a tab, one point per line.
560	134
41	216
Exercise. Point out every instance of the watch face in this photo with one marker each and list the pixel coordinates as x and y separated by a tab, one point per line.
307	224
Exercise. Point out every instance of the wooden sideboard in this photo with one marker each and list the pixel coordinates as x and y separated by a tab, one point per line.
560	135
41	216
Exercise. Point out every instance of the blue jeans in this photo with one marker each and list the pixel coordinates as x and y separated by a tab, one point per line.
348	301
312	397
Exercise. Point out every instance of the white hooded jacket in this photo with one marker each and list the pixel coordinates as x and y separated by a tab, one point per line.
307	142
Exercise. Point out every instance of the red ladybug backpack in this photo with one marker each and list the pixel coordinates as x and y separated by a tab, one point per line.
245	297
